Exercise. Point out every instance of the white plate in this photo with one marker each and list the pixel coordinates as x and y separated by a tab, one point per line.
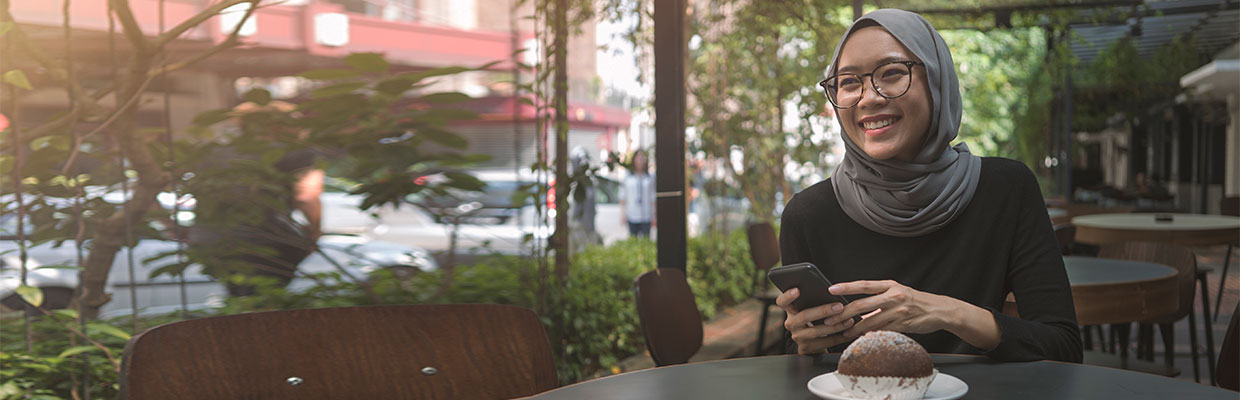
944	387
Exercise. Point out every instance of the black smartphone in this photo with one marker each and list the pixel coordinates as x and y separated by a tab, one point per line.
811	282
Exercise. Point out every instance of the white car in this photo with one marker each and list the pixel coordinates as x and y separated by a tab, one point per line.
489	219
353	257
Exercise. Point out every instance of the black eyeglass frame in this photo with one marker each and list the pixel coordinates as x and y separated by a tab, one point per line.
907	64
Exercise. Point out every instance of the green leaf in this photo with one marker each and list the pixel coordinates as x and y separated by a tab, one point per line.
337	89
488	65
367	62
17	78
108	330
72	351
62	266
30	294
395	85
270	157
445	98
257	96
5	27
212	117
10	390
420	75
465	181
329	74
445	138
66	313
53	141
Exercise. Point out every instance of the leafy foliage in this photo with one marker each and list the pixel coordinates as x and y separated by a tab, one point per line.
994	69
53	368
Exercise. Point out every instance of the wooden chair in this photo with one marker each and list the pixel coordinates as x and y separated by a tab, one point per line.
1064	234
1229	356
451	351
764	251
1227	206
669	316
1185	262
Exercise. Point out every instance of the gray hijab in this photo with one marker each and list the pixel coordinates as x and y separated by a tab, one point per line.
907	199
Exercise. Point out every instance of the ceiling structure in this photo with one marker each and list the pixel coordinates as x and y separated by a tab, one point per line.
1098	24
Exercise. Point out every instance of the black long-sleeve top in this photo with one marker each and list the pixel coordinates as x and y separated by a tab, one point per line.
1003	242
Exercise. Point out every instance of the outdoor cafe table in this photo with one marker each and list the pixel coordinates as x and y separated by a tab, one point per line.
1058	215
1108	291
1183	229
785	377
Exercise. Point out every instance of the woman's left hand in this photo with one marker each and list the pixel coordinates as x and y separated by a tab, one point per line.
894	307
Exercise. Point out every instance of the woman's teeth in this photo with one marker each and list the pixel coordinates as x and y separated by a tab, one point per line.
877	124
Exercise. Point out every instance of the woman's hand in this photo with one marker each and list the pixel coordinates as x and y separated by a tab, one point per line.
895	307
812	339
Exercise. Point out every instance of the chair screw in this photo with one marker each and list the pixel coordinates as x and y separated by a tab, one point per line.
293	381
428	371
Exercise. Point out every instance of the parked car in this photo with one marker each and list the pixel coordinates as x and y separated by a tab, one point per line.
350	255
489	219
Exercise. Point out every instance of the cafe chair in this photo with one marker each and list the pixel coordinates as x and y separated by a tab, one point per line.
1227	206
669	316
448	351
1228	370
1185	263
764	251
1064	234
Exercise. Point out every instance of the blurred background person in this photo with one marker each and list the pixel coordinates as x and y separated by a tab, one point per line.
246	229
637	196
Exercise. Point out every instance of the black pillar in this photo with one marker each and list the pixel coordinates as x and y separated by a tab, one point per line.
1065	150
670	48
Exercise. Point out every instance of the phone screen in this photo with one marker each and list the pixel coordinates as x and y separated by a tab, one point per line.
812	284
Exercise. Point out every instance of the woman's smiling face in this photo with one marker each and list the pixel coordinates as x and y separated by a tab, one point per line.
884	128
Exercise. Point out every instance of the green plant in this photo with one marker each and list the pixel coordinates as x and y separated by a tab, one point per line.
58	361
592	314
720	271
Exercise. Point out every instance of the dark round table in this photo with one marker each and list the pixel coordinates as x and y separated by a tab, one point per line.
785	377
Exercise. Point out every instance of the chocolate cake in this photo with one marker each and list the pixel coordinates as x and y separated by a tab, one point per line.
885	353
885	365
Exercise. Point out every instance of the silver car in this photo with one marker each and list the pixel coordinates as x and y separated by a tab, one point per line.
50	269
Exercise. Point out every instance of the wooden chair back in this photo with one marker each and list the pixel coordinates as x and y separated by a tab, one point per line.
1229	206
1176	256
1065	234
763	250
451	351
669	316
1228	370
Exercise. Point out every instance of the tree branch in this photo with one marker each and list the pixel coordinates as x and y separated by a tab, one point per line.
129	25
233	40
202	16
106	123
54	69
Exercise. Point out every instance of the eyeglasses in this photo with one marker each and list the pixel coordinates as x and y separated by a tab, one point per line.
890	80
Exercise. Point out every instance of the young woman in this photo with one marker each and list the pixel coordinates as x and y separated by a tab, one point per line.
925	238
